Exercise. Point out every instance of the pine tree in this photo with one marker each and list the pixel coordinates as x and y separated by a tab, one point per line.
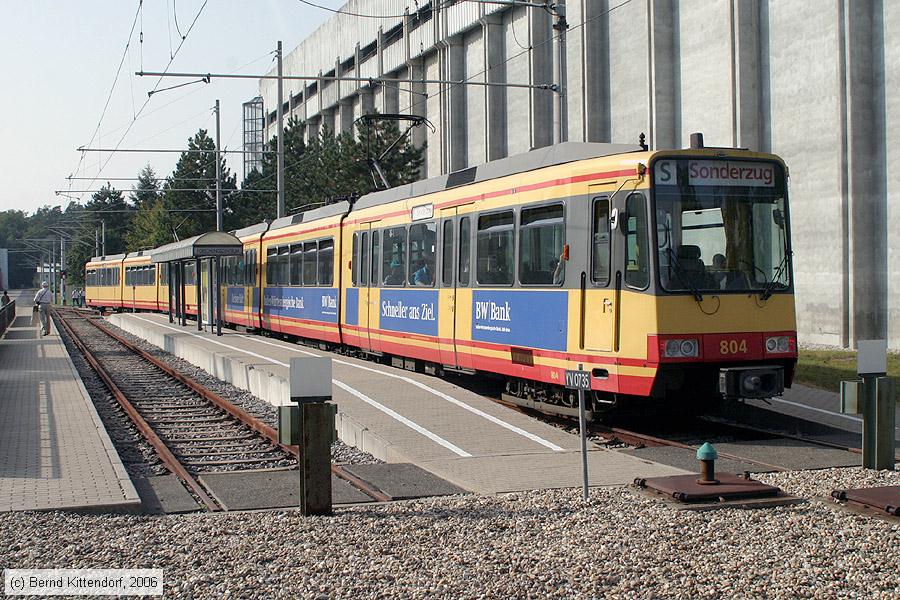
193	212
146	192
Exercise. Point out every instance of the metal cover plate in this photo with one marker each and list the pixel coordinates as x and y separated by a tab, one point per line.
686	489
402	481
885	498
164	494
249	490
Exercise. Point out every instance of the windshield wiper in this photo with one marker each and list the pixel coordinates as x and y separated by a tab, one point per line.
682	276
770	287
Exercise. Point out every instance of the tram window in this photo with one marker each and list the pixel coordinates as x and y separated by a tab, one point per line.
310	254
354	261
637	267
600	242
364	260
326	262
494	249
447	254
271	265
465	252
422	239
252	266
296	264
543	232
376	257
284	265
393	256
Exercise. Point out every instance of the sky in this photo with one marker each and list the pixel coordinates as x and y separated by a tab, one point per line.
59	60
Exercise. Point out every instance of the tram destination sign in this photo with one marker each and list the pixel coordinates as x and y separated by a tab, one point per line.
578	380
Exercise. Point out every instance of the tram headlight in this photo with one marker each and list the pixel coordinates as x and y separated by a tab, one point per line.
689	348
680	348
780	344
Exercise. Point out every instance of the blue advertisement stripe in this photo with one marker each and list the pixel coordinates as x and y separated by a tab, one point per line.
532	319
312	304
409	311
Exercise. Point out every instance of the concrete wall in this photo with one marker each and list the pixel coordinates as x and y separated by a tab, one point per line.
805	79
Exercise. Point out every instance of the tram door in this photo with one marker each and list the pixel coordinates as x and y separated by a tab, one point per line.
454	293
598	288
365	291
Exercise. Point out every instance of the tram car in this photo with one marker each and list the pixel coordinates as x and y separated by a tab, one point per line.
103	281
666	274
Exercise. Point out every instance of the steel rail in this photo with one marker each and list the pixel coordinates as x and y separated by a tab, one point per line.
166	455
244	417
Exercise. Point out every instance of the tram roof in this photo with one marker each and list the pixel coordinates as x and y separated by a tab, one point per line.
251	229
107	258
539	158
206	245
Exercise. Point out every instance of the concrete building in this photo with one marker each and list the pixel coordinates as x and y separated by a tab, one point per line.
805	79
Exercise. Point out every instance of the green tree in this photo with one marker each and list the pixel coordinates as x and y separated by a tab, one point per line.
193	212
146	192
150	227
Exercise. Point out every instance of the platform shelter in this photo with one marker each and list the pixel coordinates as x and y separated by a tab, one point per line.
209	247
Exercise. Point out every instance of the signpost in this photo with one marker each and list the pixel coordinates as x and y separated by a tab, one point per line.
581	380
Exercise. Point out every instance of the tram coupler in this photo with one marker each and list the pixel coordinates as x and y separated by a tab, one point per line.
751	382
707	456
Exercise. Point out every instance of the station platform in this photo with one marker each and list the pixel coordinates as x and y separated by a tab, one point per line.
55	453
401	416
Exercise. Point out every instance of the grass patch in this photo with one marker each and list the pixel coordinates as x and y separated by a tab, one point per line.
826	369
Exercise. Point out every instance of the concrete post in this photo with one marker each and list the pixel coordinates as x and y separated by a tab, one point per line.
280	133
310	384
219	224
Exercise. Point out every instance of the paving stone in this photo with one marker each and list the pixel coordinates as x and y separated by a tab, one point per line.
54	450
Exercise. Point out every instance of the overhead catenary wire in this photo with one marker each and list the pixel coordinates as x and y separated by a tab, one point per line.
349	13
112	88
171	102
549	40
156	86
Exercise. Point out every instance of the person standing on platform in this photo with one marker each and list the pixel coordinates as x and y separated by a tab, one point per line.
5	299
42	301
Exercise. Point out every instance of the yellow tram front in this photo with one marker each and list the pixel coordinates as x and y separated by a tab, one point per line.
716	257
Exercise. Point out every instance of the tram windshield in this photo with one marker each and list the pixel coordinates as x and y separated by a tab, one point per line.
720	226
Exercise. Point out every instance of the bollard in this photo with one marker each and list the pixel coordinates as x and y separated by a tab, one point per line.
311	390
707	456
873	398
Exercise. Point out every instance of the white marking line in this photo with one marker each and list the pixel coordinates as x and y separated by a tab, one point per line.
431	390
412	425
402	419
821	410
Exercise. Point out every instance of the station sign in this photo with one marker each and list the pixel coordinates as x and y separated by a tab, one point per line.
578	380
725	173
201	251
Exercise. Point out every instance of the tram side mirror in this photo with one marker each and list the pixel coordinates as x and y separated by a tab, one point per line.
614	219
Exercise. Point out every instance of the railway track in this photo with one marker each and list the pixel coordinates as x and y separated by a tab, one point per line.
685	433
191	428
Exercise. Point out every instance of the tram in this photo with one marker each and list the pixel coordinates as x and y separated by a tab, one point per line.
666	274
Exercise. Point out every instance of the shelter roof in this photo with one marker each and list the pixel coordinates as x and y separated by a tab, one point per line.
214	243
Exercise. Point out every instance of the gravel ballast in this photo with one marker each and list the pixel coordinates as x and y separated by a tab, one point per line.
536	544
